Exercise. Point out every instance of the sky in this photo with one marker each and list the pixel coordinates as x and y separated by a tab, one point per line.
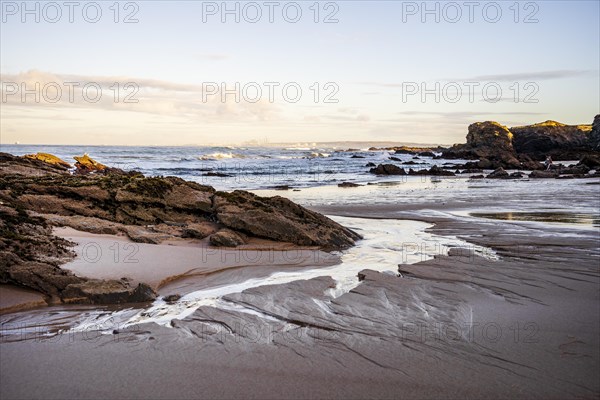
208	73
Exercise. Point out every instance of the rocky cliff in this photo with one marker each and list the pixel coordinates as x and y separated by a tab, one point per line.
562	142
495	145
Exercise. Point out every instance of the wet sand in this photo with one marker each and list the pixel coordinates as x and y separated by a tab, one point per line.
116	257
13	299
526	325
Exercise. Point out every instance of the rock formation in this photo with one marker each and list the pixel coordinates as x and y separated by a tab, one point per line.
562	142
36	195
495	145
387	169
489	142
595	134
48	159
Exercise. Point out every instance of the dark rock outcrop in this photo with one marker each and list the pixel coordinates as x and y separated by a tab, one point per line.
499	173
348	185
543	174
595	134
489	142
495	145
30	256
387	169
85	165
95	291
590	161
562	142
434	171
279	219
150	209
36	195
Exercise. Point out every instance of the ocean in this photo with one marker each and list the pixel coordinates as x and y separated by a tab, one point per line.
249	168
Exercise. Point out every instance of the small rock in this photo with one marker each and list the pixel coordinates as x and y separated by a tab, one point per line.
218	174
49	159
85	165
226	238
198	230
499	173
172	298
543	174
348	185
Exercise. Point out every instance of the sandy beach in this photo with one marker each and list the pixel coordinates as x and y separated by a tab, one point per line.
518	319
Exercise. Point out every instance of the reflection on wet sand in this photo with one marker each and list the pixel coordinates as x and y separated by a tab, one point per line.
557	217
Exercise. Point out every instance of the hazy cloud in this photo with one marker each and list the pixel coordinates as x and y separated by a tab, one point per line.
212	57
529	76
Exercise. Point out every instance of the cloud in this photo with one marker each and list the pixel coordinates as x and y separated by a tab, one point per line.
187	100
212	57
530	76
463	114
381	84
512	77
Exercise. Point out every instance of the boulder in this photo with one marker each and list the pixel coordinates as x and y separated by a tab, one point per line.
348	185
434	171
543	174
172	298
199	230
85	165
574	170
95	291
48	159
387	169
499	173
489	142
489	135
590	161
437	171
226	238
280	219
29	167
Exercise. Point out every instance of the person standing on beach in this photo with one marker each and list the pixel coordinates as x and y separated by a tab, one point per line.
548	162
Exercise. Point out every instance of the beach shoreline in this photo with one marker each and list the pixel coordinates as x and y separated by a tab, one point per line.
532	292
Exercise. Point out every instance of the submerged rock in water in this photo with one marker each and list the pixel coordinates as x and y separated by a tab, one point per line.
543	174
387	169
348	185
434	171
499	173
